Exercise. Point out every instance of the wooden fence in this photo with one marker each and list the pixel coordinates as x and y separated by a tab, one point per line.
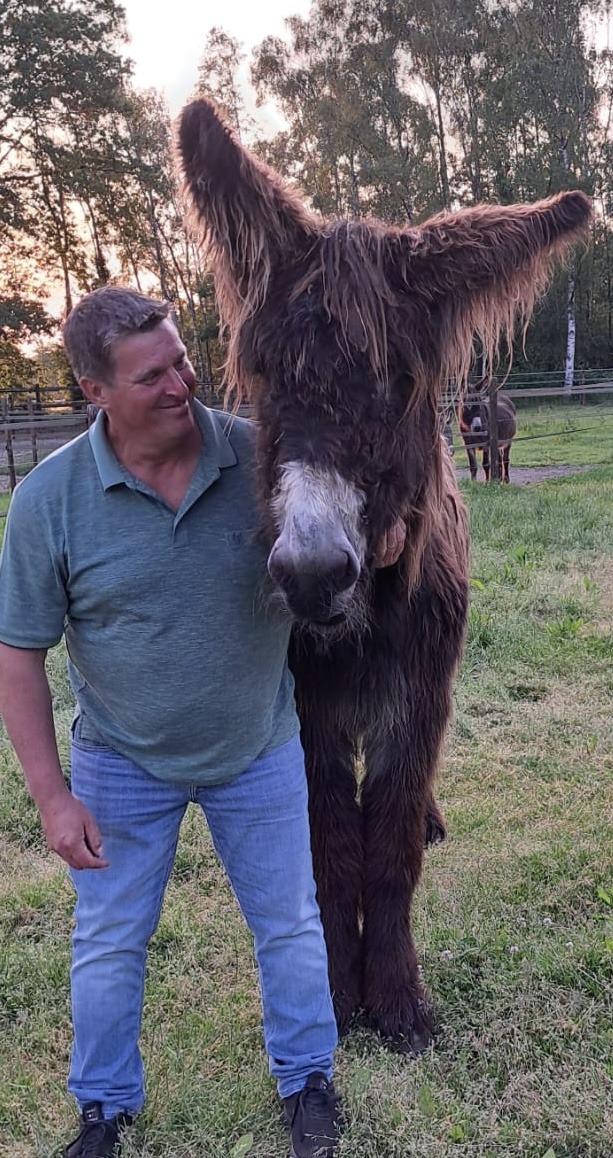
34	423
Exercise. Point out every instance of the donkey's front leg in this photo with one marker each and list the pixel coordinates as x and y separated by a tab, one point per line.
394	815
505	456
401	752
472	462
436	829
337	844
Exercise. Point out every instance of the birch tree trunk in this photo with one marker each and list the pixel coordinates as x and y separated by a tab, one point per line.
571	321
492	391
569	367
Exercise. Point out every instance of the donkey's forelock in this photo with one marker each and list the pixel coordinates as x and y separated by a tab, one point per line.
348	264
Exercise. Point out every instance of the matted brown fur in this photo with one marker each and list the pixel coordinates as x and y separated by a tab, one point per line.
342	333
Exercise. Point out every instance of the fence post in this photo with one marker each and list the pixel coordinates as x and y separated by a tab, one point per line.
91	412
492	391
33	433
10	457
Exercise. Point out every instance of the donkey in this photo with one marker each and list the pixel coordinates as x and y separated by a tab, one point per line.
342	333
474	423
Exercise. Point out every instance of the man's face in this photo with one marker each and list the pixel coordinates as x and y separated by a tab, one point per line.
149	399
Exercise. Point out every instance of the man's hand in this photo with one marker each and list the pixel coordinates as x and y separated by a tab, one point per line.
391	546
72	832
27	712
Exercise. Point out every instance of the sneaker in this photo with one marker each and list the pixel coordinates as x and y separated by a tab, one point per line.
98	1137
315	1119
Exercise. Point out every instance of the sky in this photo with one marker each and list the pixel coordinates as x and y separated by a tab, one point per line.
167	39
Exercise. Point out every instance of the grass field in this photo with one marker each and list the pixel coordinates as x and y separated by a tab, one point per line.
514	917
565	436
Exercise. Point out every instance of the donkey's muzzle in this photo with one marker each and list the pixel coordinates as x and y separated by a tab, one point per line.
315	588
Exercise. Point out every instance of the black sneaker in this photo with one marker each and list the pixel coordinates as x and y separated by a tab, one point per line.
315	1119
98	1137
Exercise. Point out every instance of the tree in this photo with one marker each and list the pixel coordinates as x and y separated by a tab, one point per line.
218	78
360	140
64	85
542	111
405	108
22	318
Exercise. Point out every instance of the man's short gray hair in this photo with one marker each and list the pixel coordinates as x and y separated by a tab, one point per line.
100	320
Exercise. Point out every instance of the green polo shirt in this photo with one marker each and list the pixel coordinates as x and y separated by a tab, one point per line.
177	654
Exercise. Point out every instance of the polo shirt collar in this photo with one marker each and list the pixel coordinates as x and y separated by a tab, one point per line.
217	451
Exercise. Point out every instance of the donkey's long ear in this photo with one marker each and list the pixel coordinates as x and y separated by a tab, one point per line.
480	268
246	215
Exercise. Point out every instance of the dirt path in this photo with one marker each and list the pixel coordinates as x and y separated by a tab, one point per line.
520	475
525	475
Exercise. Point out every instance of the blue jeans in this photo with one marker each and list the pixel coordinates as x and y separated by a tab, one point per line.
259	826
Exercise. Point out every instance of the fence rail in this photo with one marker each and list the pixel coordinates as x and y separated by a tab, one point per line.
556	392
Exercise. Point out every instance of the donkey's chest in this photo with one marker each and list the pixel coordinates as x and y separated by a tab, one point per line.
355	680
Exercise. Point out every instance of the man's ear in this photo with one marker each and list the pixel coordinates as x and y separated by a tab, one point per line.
94	391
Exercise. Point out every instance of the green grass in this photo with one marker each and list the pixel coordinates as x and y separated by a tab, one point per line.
514	917
565	435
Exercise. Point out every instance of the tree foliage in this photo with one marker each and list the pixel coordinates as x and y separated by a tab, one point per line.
87	187
414	106
398	109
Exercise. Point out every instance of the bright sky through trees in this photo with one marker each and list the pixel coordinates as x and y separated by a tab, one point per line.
167	39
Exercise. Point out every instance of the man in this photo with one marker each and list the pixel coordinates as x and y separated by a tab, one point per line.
137	542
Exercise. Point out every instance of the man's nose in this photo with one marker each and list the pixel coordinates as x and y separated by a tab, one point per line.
174	384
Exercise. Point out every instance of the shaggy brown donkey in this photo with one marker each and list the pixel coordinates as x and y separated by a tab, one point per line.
341	333
474	423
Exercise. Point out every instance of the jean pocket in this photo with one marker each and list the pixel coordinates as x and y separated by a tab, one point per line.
87	743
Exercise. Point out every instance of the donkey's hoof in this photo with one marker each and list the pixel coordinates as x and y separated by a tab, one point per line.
436	829
346	1009
408	1033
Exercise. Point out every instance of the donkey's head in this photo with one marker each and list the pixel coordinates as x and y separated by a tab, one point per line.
341	333
474	416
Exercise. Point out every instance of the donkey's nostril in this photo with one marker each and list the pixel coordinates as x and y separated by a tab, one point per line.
344	571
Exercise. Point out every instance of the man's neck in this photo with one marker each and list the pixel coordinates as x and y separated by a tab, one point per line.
166	469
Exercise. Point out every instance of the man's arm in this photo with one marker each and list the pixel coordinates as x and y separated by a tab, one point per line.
26	708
